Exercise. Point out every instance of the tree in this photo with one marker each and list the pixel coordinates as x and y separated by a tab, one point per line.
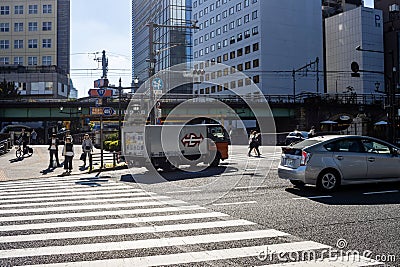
8	90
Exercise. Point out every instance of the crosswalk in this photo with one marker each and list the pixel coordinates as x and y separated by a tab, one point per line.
78	221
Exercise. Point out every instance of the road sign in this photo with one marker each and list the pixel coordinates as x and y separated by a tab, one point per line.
102	111
157	84
100	83
100	92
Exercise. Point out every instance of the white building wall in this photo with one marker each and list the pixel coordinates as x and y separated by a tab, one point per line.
344	32
289	37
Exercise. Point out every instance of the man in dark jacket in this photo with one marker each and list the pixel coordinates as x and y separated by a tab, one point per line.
53	148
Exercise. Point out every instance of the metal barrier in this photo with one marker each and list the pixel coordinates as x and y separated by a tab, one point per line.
5	146
108	157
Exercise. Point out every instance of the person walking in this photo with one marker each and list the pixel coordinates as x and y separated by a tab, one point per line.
68	153
23	139
33	137
87	149
257	143
53	149
252	142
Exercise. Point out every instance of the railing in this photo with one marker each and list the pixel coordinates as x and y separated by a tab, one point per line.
108	157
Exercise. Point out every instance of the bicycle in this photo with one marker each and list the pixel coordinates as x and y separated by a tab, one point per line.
20	152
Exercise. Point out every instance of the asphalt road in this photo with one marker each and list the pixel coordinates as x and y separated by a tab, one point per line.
223	216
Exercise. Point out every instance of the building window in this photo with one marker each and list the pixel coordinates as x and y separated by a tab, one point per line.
212	21
247	50
4	27
18	27
32	26
4	10
213	89
225	28
240	52
4	44
219	45
18	61
46	43
32	61
256	79
246	3
232	55
207	90
219	59
218	3
239	22
33	9
18	10
218	31
48	86
247	34
218	17
247	65
219	88
47	9
206	24
32	43
196	54
212	7
202	91
240	83
206	37
225	43
238	7
226	86
225	14
219	73
46	60
232	40
248	81
18	44
239	37
232	25
254	14
246	18
231	11
240	67
4	61
46	26
256	63
226	57
255	30
212	47
256	47
233	84
207	50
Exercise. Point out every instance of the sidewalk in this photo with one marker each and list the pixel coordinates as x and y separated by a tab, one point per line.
36	166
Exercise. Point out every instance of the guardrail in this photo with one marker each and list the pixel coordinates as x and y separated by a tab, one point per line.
108	157
5	146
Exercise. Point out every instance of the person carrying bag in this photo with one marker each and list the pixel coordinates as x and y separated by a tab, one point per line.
87	149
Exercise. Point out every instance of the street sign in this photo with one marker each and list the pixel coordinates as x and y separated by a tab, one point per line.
100	83
100	92
157	84
102	111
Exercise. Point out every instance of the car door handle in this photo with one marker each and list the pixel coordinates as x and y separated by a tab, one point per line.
339	157
371	159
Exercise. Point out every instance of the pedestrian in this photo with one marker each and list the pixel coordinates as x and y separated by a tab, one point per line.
33	137
23	139
68	153
257	143
53	149
311	133
87	149
252	142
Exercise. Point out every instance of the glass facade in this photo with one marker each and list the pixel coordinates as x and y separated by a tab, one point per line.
172	45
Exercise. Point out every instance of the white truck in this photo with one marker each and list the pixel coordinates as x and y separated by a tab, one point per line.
168	146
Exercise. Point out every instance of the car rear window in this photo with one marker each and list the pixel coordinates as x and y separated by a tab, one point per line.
306	143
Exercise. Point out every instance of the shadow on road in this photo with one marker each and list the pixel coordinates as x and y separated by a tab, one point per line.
366	194
152	177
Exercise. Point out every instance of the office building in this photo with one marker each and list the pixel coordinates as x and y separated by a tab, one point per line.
276	43
355	36
172	46
391	29
35	46
334	7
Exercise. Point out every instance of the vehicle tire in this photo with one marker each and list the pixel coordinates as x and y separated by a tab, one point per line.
328	181
18	153
216	160
297	183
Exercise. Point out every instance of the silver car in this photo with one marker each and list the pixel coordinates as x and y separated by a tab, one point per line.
331	161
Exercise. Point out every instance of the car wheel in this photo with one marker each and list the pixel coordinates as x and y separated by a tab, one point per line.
328	181
297	183
216	160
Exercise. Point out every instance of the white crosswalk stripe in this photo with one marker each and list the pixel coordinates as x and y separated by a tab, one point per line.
52	224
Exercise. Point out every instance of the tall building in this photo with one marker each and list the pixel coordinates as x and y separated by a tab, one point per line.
172	46
334	7
269	41
355	36
391	35
35	46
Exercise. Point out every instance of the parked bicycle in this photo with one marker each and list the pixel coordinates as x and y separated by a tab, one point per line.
21	151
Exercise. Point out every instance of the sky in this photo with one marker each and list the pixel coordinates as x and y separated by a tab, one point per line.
98	25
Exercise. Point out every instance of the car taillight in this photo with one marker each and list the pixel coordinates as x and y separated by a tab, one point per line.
305	157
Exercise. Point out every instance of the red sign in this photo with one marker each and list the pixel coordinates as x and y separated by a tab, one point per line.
192	140
100	92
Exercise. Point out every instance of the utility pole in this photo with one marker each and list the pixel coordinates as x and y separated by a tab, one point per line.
104	65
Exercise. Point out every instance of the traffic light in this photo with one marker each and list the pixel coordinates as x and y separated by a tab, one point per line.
355	68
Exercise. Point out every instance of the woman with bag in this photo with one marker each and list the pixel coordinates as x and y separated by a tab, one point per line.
87	149
68	153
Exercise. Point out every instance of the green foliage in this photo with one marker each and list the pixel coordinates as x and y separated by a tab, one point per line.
112	137
112	145
8	90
